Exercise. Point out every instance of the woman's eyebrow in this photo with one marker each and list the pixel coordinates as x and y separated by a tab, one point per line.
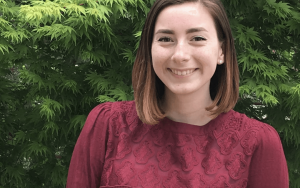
196	29
165	31
191	30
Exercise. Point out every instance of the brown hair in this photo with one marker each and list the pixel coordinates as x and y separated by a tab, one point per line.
149	89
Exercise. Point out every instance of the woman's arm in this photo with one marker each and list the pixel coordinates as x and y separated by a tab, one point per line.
88	155
268	166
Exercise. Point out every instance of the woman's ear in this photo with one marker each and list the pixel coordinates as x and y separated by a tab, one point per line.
221	54
220	62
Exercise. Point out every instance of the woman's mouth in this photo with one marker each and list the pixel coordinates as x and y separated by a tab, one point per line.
185	72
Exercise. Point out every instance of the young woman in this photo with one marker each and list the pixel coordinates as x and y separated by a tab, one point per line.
181	130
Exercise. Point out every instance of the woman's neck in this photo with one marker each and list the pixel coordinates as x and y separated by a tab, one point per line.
189	108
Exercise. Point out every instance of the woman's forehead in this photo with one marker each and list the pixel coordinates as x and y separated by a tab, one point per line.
191	8
184	16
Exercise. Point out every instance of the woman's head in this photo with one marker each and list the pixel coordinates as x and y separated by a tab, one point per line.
147	81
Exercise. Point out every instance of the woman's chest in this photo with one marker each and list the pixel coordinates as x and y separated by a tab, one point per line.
153	157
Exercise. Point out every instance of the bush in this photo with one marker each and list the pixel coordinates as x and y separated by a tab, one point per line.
60	58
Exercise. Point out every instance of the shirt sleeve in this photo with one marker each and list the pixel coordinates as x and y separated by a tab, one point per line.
89	152
268	166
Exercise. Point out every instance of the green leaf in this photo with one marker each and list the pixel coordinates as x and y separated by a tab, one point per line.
52	127
49	108
20	136
14	173
78	121
37	149
104	98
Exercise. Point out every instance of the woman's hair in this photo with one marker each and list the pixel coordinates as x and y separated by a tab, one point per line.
149	89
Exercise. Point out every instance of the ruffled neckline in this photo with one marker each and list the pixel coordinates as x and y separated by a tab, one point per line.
185	128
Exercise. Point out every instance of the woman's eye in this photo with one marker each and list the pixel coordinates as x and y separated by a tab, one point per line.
164	39
198	38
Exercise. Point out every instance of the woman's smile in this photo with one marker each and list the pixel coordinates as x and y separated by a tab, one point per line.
182	73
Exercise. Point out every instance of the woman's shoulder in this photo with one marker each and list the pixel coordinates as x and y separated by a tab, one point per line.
254	124
110	117
119	112
242	122
110	108
123	106
256	131
249	131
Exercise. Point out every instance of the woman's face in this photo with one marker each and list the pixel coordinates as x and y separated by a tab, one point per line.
185	48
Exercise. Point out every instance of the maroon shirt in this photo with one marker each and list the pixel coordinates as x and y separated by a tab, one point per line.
115	149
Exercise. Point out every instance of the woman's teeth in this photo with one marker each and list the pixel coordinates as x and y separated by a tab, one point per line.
183	73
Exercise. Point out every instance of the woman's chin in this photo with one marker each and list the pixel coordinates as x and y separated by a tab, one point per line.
181	90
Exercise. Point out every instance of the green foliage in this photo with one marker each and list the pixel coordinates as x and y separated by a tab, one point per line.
60	58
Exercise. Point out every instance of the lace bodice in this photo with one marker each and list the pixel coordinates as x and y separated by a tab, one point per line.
115	149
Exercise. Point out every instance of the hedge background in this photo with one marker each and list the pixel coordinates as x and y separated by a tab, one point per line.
60	58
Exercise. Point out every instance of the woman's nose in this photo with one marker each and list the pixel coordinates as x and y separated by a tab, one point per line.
181	53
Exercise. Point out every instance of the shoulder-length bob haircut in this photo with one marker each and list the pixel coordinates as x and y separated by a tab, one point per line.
149	89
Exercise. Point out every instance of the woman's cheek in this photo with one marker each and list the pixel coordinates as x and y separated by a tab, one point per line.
159	55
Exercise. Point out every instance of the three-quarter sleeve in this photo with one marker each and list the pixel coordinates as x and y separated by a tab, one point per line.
89	152
268	168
